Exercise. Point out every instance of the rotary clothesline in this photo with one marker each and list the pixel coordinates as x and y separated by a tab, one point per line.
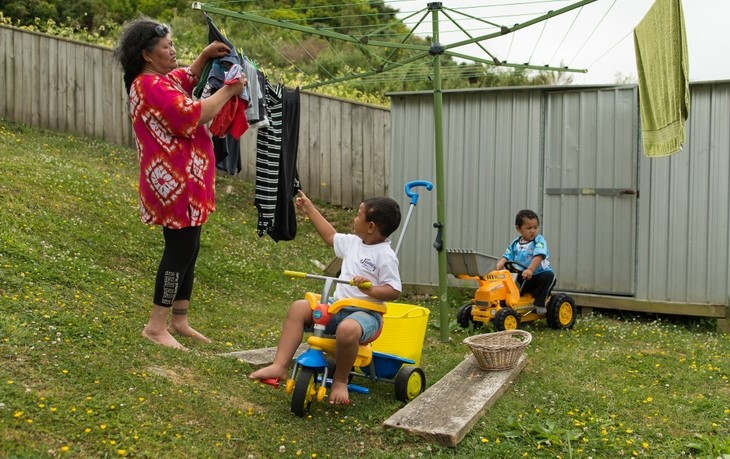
318	18
433	52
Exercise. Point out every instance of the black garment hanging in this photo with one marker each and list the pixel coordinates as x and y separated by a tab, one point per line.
285	218
227	154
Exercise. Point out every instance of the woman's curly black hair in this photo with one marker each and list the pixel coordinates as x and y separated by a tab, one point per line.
139	34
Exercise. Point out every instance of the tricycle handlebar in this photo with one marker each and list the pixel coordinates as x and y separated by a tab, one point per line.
302	275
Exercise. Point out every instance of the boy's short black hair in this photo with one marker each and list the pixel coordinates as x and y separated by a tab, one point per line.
525	214
384	212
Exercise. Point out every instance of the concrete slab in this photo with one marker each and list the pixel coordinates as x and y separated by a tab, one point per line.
448	410
258	358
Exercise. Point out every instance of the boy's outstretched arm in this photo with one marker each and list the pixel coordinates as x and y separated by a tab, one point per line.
323	227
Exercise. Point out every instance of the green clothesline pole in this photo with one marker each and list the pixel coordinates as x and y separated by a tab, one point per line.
437	50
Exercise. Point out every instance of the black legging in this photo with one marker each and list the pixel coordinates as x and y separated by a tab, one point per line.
540	285
175	274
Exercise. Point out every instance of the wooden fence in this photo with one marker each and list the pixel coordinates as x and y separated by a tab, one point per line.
68	86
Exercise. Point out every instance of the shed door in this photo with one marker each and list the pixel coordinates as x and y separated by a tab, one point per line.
590	200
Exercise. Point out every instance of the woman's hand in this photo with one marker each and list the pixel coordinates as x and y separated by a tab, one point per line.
215	49
237	87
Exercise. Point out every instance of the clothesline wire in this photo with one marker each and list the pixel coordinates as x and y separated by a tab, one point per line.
310	55
570	62
611	48
275	48
539	37
575	18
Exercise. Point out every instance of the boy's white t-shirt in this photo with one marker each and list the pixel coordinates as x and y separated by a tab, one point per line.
376	262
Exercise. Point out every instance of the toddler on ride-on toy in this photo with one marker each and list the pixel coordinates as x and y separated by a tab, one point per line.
529	249
366	257
519	288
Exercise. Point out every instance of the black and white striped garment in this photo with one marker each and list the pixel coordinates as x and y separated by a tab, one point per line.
268	154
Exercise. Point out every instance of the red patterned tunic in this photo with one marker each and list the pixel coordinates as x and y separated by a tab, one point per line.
176	158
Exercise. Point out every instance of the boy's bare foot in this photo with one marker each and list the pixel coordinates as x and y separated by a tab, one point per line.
187	331
339	394
273	372
164	338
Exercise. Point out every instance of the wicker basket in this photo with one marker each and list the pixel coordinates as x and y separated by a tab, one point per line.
500	350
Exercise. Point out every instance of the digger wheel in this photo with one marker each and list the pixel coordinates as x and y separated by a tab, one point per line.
463	315
561	312
506	319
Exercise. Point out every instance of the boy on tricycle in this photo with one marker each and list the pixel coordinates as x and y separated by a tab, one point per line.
371	266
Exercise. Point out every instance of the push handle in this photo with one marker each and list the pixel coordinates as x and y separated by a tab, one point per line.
413	194
301	275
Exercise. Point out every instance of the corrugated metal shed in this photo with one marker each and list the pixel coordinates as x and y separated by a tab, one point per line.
617	223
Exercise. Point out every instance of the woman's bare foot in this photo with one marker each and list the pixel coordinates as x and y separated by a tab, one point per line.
271	372
339	394
187	331
164	338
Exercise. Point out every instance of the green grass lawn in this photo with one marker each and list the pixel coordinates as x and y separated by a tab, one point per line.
77	379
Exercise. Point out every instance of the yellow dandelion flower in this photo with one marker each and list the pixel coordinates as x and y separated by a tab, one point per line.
18	414
10	381
102	427
645	445
228	436
87	430
64	449
484	440
122	452
65	371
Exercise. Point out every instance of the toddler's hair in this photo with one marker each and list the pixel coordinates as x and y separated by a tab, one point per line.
525	214
384	212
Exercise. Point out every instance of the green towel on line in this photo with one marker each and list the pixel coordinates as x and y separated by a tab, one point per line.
663	68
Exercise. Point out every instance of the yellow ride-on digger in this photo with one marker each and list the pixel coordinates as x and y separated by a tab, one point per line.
498	297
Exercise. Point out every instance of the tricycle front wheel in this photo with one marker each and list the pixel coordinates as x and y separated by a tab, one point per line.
305	391
409	383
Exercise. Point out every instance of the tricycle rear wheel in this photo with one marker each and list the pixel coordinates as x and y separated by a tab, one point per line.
409	383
